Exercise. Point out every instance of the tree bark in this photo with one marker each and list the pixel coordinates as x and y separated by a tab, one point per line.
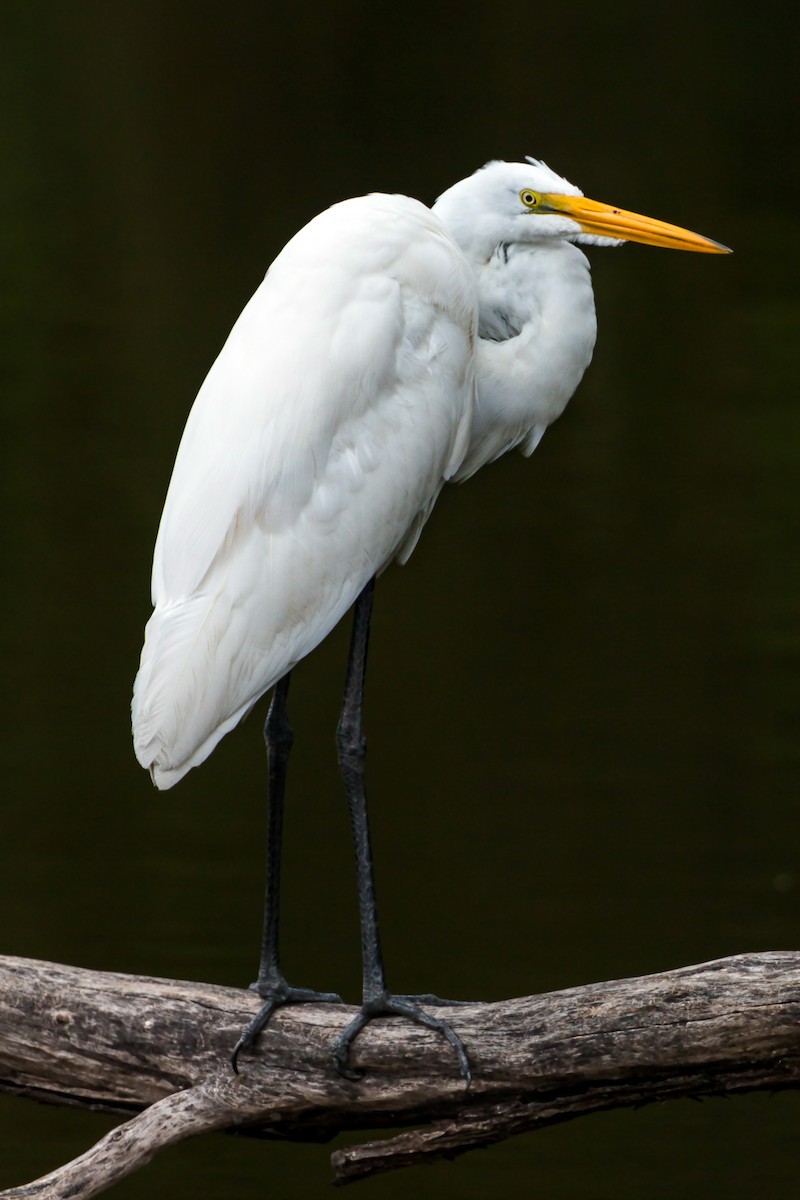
157	1051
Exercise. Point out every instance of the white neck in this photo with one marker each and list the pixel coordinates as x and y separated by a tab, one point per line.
537	331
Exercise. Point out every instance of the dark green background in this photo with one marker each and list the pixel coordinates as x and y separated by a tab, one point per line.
583	703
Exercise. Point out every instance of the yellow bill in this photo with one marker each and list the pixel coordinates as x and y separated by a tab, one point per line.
609	221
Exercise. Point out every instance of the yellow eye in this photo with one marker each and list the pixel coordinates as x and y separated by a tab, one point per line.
529	199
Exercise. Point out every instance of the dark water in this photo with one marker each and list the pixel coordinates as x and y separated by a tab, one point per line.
604	640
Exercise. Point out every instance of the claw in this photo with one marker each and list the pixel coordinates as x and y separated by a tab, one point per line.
388	1005
276	994
237	1049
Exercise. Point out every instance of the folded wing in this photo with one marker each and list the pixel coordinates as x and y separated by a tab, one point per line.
313	454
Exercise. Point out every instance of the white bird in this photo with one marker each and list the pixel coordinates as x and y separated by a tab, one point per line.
390	349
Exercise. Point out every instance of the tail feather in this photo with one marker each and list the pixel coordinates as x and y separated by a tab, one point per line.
183	683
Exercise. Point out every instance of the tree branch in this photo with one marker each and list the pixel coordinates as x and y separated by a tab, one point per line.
126	1043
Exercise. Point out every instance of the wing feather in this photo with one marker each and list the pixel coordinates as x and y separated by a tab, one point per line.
313	454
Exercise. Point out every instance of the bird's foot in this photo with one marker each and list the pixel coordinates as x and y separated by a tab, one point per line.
437	1001
276	993
386	1004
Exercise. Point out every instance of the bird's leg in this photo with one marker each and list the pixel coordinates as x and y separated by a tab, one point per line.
278	737
271	985
351	743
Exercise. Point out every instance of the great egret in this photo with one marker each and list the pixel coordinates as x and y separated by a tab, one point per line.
390	349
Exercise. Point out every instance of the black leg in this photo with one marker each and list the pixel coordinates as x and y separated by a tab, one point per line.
271	985
278	737
377	1000
351	746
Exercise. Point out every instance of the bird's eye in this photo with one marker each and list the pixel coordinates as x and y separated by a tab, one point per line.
529	199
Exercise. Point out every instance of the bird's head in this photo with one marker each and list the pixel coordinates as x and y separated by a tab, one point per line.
528	203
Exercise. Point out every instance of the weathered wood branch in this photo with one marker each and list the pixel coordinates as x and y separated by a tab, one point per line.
126	1044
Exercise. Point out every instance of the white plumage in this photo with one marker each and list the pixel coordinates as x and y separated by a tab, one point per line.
390	348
